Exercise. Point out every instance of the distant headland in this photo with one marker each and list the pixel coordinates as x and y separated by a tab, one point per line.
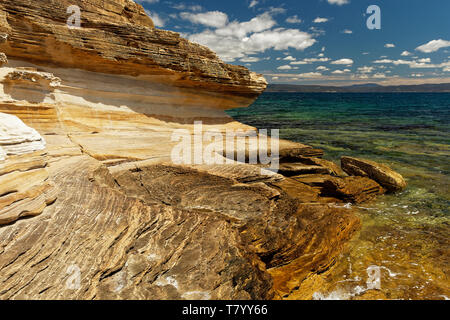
368	87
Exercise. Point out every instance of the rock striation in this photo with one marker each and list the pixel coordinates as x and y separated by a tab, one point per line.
381	173
109	215
25	187
117	38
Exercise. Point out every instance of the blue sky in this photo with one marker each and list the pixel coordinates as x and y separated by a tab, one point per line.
319	41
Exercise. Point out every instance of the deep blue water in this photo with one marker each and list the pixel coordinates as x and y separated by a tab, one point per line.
416	123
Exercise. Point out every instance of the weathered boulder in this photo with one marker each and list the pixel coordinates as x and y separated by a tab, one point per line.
381	173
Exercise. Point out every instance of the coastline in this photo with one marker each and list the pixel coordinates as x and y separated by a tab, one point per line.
104	202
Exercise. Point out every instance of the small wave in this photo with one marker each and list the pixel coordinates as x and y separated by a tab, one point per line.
340	294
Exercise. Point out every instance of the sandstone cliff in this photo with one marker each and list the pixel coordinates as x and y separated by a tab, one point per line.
109	215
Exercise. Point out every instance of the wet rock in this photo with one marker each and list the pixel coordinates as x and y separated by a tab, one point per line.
295	169
347	189
352	189
299	191
381	173
293	154
333	168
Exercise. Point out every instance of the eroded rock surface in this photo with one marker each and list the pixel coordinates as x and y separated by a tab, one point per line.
25	187
123	221
118	38
3	59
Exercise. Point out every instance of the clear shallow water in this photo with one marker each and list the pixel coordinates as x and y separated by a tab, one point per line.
407	234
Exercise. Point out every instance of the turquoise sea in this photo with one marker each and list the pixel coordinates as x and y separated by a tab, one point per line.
406	235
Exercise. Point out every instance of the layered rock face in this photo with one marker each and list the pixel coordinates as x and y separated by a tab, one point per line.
169	75
110	216
25	187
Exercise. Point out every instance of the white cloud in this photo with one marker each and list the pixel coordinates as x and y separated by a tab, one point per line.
285	67
433	46
182	6
341	71
417	75
379	75
157	20
275	10
320	20
253	4
300	75
275	78
389	45
414	64
250	59
310	75
405	54
347	31
215	19
322	68
365	69
289	58
343	61
338	2
236	40
294	19
316	31
310	60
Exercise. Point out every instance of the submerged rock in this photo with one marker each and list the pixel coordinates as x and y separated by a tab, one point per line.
352	189
381	173
347	189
